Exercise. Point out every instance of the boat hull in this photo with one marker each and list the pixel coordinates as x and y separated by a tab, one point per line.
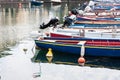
98	23
108	51
94	18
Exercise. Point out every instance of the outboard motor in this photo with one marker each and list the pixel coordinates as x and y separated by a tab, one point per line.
52	23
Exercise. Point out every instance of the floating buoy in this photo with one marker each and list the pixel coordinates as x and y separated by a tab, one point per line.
81	61
49	55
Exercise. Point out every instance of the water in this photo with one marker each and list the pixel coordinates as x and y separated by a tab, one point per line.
16	24
71	59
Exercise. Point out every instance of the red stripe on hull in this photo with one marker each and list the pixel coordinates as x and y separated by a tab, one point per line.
93	43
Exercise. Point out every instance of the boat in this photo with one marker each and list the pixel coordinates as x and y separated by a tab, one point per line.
87	32
103	5
105	13
103	33
36	3
107	7
99	7
90	18
56	2
96	23
92	47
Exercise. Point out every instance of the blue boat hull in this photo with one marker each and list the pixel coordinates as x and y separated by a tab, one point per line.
76	49
99	18
106	7
92	25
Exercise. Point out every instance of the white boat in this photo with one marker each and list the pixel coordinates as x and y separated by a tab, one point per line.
104	33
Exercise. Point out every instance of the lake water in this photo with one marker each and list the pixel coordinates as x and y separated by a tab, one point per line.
16	24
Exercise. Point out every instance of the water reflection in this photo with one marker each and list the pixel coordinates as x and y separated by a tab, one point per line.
17	23
72	59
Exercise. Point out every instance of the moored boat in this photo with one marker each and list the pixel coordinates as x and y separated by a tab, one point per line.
96	23
103	5
103	33
90	18
93	47
100	7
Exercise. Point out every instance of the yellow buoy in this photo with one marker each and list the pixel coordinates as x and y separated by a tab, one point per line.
49	55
